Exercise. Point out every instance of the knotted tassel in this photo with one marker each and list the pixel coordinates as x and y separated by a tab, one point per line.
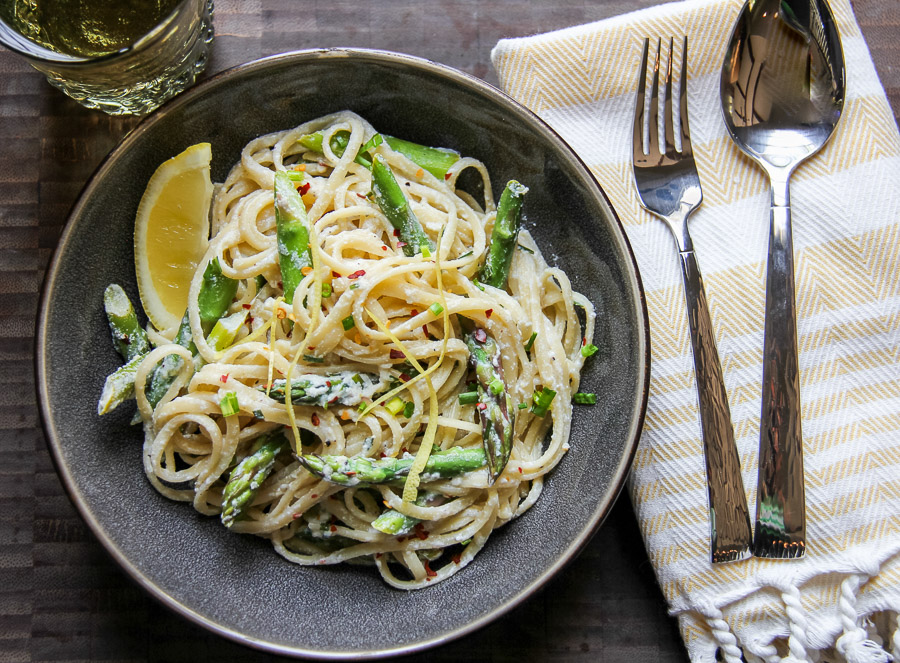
797	622
854	645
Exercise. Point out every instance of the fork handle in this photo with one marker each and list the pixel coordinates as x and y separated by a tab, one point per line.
780	498
729	518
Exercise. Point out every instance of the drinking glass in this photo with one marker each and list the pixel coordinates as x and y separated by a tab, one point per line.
134	79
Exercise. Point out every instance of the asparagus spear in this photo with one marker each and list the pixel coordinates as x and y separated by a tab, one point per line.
495	269
396	208
216	293
344	388
248	476
130	340
350	471
128	336
119	386
494	403
292	232
435	160
394	522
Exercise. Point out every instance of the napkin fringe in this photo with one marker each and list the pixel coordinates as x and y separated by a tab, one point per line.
859	641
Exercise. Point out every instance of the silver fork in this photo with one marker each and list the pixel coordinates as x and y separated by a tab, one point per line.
669	187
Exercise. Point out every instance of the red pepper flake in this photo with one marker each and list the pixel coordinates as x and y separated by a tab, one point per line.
584	340
428	571
360	195
400	245
350	473
383	247
414	313
480	335
396	232
457	558
404	377
335	275
356	275
314	495
250	320
419	531
246	306
328	383
303	189
447	176
224	378
334	528
520	470
488	313
333	401
420	173
425	329
481	406
297	516
314	419
397	354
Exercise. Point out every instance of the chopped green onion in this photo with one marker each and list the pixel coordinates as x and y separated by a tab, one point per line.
258	414
326	290
354	286
363	406
395	405
295	175
465	255
541	401
588	350
478	284
357	378
348	323
228	403
372	143
584	398
409	409
468	398
496	386
525	248
530	342
313	359
426	251
436	308
522	406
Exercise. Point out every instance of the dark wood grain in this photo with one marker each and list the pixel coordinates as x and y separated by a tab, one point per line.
61	598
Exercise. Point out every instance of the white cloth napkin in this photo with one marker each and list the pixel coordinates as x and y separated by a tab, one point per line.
840	601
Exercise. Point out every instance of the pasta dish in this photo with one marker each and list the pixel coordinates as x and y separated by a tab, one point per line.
374	366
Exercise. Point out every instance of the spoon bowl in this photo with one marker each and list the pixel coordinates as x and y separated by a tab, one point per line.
782	92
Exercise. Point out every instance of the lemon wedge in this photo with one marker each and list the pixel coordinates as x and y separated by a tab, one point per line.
171	233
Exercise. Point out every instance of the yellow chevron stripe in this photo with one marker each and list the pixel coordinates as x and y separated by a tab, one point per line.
599	64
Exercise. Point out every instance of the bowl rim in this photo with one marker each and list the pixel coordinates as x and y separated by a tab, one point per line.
477	85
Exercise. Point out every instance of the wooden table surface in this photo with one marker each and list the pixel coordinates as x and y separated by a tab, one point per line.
61	597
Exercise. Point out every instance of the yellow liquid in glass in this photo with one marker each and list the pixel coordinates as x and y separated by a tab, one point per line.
85	28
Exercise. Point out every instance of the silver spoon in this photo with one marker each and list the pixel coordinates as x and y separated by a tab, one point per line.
782	94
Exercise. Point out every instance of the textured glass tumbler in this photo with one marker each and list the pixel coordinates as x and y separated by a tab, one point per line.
134	80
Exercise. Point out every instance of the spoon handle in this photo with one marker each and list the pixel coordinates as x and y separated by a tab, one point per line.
729	517
780	499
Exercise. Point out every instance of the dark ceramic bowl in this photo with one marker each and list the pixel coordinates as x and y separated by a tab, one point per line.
237	585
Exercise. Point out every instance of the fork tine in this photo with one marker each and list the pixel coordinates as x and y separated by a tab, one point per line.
668	118
654	105
686	149
637	137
